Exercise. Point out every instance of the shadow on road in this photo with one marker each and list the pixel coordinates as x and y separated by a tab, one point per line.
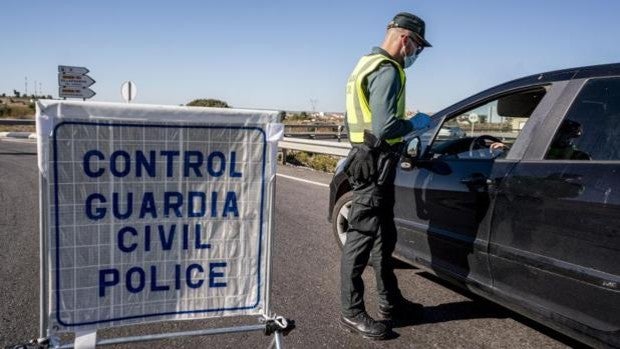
398	264
463	310
475	308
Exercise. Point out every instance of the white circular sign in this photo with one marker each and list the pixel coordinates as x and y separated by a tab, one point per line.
128	91
473	118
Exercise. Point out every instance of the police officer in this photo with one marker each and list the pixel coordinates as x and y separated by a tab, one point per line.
375	102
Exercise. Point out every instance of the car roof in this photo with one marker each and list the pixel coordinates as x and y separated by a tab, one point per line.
571	73
585	72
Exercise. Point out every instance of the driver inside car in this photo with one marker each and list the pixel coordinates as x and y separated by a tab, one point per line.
486	150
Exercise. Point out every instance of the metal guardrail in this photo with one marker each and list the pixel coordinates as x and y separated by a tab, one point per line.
315	131
287	143
314	146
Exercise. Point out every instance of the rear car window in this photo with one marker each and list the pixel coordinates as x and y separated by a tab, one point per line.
591	128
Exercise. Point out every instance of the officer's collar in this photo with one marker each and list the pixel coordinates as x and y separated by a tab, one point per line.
383	52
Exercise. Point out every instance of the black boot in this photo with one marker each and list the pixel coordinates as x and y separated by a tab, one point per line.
363	324
403	309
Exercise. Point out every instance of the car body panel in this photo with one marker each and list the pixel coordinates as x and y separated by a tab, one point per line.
560	217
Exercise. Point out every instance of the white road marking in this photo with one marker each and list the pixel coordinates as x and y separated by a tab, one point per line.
19	140
303	180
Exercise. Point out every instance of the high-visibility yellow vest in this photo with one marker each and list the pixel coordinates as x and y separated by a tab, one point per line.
359	115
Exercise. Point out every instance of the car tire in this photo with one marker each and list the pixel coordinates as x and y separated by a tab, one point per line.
340	219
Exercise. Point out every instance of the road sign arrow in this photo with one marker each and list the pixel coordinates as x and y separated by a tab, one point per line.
88	93
65	79
75	92
72	70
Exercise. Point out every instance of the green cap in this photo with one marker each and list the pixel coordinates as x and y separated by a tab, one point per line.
411	22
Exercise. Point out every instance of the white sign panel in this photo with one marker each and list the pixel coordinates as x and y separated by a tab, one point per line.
71	80
72	70
75	92
155	213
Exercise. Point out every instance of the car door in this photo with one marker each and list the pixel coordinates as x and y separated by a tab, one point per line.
555	235
443	203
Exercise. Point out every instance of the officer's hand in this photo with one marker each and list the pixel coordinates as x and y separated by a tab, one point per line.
420	121
362	167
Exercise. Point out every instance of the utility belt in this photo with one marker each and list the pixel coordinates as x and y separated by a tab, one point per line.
371	161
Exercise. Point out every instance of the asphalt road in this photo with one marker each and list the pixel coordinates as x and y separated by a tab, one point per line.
305	280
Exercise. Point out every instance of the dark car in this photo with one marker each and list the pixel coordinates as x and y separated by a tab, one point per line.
532	222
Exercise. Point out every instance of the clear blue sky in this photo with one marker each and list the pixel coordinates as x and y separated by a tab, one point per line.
281	54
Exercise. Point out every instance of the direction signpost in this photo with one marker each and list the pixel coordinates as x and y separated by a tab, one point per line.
74	83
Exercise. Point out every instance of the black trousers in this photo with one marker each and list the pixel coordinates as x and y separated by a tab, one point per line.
371	235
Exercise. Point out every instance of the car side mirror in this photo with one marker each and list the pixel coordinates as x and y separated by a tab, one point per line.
413	148
411	153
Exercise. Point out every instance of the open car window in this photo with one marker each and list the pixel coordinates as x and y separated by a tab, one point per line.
487	131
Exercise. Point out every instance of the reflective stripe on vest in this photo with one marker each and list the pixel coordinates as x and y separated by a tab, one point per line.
359	115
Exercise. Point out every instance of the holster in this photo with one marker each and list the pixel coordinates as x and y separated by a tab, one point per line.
385	156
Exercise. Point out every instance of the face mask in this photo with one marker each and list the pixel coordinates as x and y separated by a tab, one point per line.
408	60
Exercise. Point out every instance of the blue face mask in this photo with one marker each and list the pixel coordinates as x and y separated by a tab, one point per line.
409	59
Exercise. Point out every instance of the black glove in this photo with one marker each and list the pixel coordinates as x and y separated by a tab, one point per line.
361	165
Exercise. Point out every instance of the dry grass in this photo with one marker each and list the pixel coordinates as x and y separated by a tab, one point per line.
320	162
17	128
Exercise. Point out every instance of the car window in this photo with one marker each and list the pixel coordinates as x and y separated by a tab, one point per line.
591	128
489	130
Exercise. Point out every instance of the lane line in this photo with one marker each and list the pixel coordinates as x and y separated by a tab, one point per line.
303	180
19	140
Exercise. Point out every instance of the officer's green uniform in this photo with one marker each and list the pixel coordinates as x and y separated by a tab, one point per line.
375	102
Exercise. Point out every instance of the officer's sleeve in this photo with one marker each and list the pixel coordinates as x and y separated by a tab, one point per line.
383	87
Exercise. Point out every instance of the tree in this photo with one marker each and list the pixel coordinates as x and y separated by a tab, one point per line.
215	103
16	93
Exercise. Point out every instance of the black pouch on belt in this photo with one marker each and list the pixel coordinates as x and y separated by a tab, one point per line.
385	159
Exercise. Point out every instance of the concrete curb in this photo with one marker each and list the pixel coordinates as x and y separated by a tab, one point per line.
22	135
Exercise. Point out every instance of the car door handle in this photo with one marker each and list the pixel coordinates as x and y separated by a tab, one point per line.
476	180
566	178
